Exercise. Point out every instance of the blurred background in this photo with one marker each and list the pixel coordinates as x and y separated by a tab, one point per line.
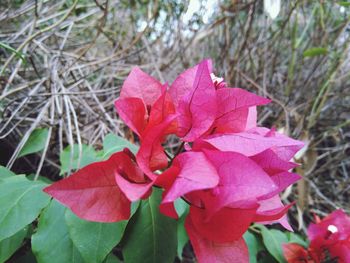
62	64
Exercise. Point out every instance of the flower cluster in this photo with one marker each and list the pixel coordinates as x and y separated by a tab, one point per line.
230	171
329	240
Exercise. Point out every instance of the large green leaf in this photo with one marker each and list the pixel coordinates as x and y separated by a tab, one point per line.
35	143
5	173
72	162
273	240
254	246
113	143
150	236
9	245
94	240
21	201
52	243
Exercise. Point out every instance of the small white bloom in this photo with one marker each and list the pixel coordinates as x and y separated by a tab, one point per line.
332	228
272	7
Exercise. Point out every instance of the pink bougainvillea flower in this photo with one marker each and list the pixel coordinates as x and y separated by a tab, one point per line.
231	171
93	193
329	237
332	233
195	100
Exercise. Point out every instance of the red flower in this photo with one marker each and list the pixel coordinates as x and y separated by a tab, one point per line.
231	172
330	236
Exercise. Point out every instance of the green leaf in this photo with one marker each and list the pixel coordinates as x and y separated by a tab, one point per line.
94	240
295	238
35	143
273	240
51	243
4	172
315	51
150	236
113	143
9	245
88	155
254	245
344	3
21	201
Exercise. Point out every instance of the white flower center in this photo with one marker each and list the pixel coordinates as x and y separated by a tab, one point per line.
332	228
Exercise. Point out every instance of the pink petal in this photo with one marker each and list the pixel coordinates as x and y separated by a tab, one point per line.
162	108
284	179
251	143
195	172
197	109
184	83
226	225
271	163
242	182
133	112
133	191
273	211
252	118
141	85
150	156
234	114
169	210
208	251
92	192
